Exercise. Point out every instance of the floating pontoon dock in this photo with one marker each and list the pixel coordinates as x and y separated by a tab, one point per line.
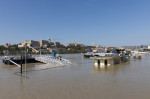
112	60
16	60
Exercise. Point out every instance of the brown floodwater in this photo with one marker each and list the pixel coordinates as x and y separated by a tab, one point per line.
80	80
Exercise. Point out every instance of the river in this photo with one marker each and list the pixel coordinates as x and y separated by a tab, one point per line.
80	80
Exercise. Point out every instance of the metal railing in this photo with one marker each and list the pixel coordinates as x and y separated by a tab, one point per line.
52	60
9	59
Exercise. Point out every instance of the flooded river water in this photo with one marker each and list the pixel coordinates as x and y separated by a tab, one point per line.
80	80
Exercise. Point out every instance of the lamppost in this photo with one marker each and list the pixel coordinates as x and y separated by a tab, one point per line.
40	50
21	64
25	59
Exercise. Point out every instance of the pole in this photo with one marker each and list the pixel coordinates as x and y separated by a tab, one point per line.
40	51
21	64
25	59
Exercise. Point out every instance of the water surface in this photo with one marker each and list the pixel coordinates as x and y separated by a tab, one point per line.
80	80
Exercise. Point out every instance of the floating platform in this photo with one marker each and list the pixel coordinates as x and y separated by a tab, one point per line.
16	60
112	60
12	59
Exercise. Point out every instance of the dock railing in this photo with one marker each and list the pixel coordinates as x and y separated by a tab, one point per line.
51	59
9	59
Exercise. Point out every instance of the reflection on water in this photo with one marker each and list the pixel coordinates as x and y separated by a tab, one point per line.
110	68
80	80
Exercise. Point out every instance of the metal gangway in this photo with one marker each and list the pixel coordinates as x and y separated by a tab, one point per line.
9	59
49	59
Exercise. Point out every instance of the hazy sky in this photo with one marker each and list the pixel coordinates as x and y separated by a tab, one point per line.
104	22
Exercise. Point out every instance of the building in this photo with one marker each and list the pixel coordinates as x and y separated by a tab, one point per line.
56	43
44	43
71	44
148	46
30	43
115	49
97	46
38	44
7	45
75	44
111	60
97	50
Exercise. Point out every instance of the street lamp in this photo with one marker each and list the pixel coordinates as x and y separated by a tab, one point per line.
25	59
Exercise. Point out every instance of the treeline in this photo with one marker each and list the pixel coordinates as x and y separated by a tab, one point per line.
1	49
74	49
12	49
61	49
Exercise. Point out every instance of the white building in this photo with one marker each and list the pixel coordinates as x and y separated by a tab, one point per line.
75	44
38	44
148	46
30	43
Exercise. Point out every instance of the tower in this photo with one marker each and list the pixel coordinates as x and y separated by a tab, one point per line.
49	40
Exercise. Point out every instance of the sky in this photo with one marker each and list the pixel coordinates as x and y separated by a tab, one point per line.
101	22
